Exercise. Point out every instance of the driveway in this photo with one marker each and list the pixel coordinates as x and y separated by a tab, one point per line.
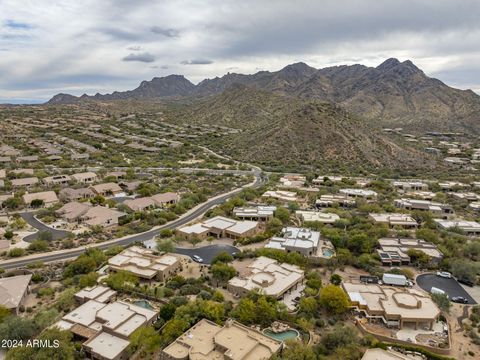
30	219
207	253
450	286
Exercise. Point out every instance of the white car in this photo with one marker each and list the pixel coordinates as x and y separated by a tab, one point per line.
444	274
197	258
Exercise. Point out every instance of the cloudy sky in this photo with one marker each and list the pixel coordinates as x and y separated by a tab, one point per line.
89	46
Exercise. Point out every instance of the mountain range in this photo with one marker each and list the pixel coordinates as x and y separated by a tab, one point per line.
392	94
286	133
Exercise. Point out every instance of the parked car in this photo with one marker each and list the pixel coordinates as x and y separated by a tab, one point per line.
459	299
197	258
444	274
435	290
466	282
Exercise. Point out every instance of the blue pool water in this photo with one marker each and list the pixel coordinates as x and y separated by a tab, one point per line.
328	252
144	304
282	336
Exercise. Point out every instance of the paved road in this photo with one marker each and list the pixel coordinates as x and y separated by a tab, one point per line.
137	237
30	218
207	253
450	286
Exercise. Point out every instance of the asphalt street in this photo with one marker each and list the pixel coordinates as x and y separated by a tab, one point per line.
137	237
30	219
450	286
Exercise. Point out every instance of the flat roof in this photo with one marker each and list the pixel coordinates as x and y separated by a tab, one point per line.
100	293
238	227
84	314
268	276
309	215
380	354
408	304
142	262
358	192
462	224
240	342
106	345
294	237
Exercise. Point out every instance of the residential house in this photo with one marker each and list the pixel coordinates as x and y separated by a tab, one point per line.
168	198
85	177
303	241
321	179
424	195
140	204
13	291
469	196
130	185
317	216
392	306
389	354
341	200
69	194
468	227
394	251
98	293
395	220
436	208
102	216
259	213
451	185
268	277
410	185
73	211
49	198
24	182
145	265
359	193
233	341
107	189
106	328
281	195
219	227
56	180
116	174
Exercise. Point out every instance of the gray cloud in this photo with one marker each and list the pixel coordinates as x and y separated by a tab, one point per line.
142	57
172	33
196	62
439	36
120	34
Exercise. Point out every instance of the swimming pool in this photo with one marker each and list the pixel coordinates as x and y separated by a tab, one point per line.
144	304
328	252
282	336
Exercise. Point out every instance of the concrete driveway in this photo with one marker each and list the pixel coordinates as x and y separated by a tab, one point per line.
207	253
450	286
30	219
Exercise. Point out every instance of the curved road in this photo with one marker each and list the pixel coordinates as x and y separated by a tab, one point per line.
29	217
200	210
